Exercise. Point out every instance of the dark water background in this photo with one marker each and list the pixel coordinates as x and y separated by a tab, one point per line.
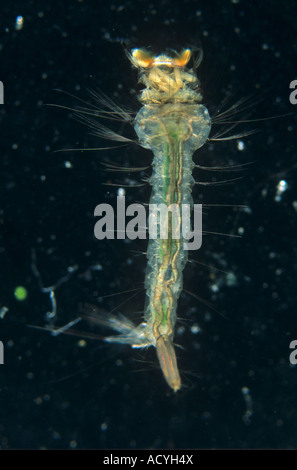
56	394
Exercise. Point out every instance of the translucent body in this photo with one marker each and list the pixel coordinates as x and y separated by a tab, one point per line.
173	126
173	132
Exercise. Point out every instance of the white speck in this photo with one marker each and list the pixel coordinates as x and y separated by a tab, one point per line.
19	23
97	267
72	269
265	46
240	145
249	405
282	185
247	210
195	329
215	288
180	330
280	189
231	280
3	311
264	192
68	164
121	192
103	427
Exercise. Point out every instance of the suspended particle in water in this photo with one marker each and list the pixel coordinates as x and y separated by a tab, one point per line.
121	192
282	186
19	23
3	311
249	405
20	293
240	145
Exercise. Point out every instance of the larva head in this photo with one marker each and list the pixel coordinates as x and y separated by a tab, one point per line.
166	78
144	59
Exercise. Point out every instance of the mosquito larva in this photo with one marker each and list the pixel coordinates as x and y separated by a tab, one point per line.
173	125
